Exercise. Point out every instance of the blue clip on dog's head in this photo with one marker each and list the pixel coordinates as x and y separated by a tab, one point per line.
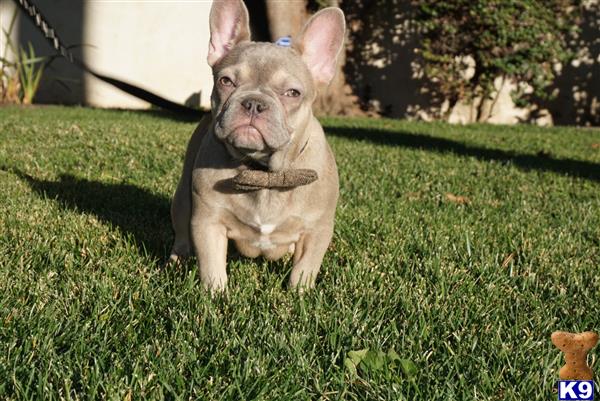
285	41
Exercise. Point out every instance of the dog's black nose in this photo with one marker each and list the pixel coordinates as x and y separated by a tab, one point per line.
254	105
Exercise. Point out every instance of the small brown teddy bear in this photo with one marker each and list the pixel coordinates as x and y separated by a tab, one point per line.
575	347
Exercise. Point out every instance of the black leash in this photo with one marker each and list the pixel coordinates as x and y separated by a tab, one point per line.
52	37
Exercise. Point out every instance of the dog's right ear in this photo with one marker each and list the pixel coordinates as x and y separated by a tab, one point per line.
229	25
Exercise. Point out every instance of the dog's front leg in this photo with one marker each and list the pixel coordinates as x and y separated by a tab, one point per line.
210	244
308	256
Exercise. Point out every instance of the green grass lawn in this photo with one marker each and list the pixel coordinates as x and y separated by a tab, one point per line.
466	289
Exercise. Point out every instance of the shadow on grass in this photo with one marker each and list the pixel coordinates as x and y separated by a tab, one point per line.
135	211
542	162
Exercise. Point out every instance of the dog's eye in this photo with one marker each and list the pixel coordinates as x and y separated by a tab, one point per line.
292	93
225	81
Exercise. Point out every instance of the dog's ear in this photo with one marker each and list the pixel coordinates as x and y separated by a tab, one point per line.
229	25
320	43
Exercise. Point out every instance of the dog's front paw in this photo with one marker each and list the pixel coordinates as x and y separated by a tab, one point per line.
302	282
215	286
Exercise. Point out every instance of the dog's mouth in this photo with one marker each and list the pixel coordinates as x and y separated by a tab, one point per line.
246	143
250	136
247	137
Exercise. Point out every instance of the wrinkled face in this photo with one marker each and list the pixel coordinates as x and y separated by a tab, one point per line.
262	93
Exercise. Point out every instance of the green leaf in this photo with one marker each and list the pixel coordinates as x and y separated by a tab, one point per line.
409	368
374	360
350	366
32	60
392	355
357	356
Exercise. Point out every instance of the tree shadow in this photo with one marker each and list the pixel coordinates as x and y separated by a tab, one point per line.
577	86
540	162
135	211
382	63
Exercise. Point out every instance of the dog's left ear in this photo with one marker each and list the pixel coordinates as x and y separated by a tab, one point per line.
320	43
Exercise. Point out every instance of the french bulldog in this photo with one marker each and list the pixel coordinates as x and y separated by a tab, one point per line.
261	119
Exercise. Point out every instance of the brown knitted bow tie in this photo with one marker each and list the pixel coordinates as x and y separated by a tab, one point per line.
253	180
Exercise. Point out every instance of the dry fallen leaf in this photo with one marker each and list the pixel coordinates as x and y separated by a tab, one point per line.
508	259
461	200
494	203
595	145
413	195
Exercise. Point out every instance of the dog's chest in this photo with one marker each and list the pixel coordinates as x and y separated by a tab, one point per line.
265	220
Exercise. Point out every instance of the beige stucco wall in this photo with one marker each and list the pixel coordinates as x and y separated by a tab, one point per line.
7	9
160	46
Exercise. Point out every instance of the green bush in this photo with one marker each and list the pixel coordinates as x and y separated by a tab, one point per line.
522	40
